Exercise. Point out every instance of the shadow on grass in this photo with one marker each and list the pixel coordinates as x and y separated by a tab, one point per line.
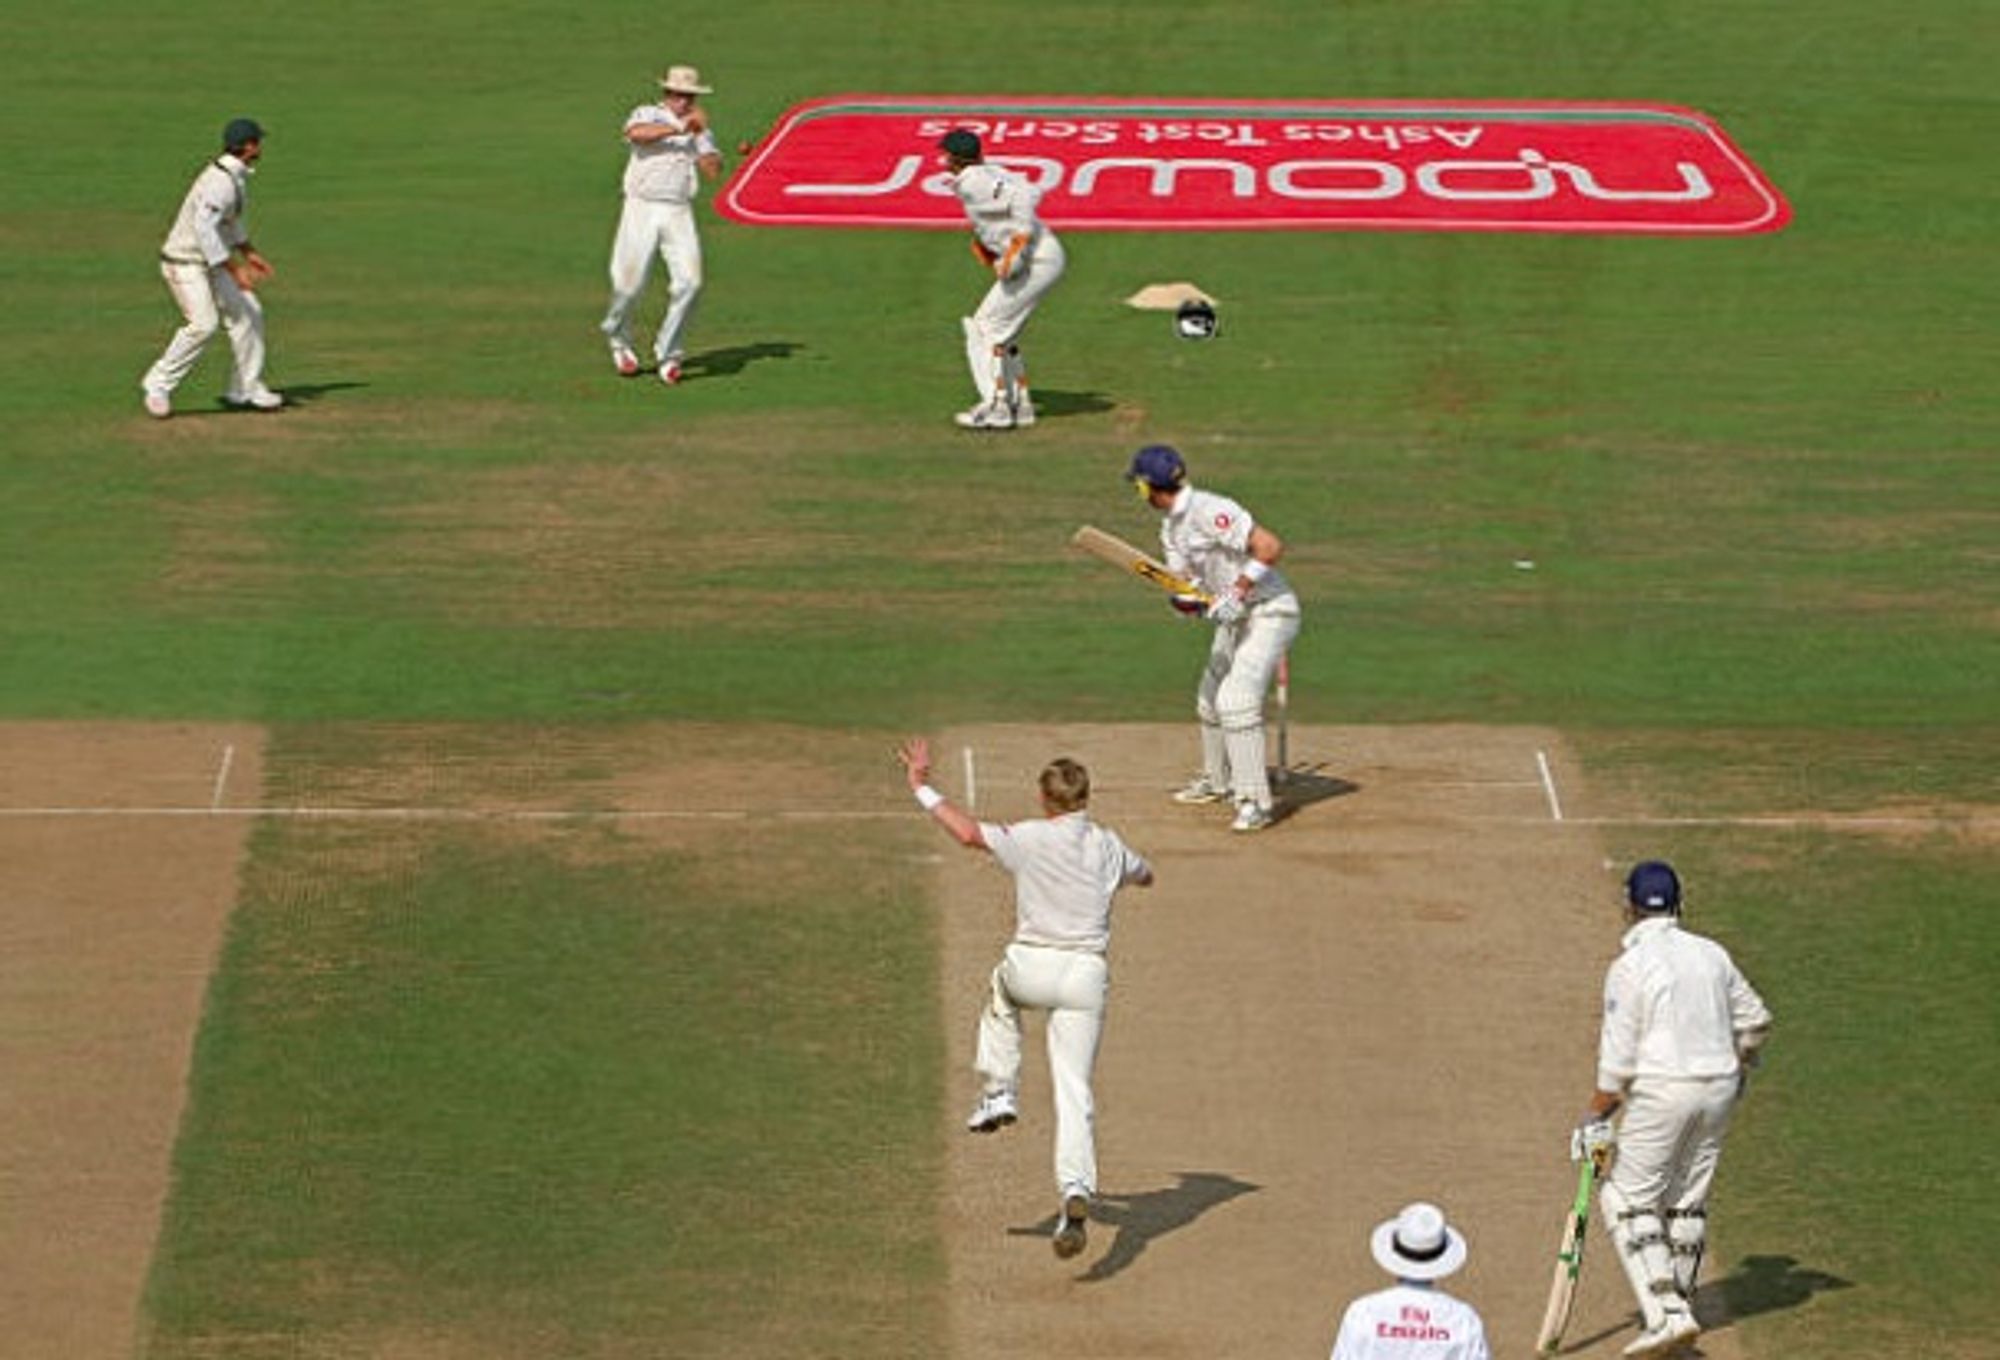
1760	1284
721	363
1054	405
305	394
1137	1219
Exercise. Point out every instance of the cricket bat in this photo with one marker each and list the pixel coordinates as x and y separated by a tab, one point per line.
1569	1260
1121	554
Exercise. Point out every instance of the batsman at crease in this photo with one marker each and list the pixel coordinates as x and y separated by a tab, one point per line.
1217	544
1682	1027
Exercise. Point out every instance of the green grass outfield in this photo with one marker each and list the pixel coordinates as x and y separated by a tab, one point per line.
1756	477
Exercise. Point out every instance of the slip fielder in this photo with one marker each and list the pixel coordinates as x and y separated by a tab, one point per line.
671	146
1681	1025
1025	259
213	271
1216	544
1066	871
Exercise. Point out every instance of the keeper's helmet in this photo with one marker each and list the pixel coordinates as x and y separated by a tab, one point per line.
1195	320
1157	468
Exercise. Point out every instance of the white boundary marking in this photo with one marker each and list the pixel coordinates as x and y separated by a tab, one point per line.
1549	785
222	777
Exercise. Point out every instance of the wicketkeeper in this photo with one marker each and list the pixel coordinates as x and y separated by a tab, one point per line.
1681	1028
1025	259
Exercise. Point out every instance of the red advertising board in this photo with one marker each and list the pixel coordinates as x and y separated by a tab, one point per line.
1209	165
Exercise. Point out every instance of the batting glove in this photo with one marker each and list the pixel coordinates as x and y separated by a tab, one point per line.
1191	605
1591	1138
1227	608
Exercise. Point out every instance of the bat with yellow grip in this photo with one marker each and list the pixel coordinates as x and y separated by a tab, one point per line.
1123	555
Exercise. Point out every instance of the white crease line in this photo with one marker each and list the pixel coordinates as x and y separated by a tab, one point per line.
408	814
1549	785
222	777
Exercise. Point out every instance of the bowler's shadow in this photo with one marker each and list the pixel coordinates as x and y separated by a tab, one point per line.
1135	1220
722	363
1052	404
1300	786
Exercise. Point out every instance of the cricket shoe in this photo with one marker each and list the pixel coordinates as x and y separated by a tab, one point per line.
1250	817
991	415
995	1111
1070	1234
670	372
263	399
625	361
159	405
1201	789
1676	1330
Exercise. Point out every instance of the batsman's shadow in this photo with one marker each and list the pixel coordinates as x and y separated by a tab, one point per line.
1761	1284
1300	786
721	363
1137	1219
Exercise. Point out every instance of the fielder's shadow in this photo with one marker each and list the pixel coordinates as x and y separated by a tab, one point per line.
305	394
1300	786
1052	404
1760	1284
1135	1220
722	363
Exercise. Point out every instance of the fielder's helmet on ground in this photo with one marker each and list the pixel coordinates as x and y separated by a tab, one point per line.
1195	320
1157	468
961	144
240	132
1653	886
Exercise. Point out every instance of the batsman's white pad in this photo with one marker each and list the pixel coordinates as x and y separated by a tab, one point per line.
1640	1235
1687	1240
1248	779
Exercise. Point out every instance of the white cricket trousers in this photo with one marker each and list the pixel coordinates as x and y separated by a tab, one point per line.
648	228
1071	985
208	298
1003	314
1242	661
1670	1140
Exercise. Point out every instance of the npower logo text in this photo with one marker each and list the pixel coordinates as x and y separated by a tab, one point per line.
864	161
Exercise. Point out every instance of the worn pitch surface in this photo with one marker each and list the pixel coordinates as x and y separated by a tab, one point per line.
1389	996
109	927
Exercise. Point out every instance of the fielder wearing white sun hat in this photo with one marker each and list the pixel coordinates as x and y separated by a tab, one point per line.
1417	1244
683	80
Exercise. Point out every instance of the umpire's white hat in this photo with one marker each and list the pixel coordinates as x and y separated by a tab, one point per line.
1418	1244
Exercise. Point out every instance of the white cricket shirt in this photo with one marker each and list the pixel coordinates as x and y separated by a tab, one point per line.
210	222
1206	538
1674	1003
999	204
1410	1322
664	171
1066	870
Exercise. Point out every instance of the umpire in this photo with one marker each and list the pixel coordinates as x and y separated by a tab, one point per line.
1681	1026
